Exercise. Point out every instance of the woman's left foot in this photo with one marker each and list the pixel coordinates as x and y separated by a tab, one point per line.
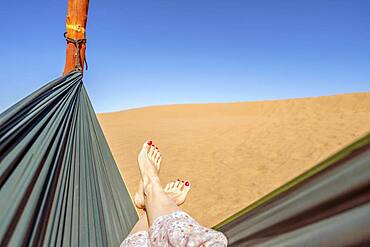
177	191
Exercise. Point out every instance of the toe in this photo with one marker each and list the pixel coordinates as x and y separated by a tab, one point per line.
182	186
157	156
178	184
147	145
167	187
151	150
187	186
173	185
154	154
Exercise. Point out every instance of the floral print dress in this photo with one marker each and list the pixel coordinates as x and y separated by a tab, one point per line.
176	229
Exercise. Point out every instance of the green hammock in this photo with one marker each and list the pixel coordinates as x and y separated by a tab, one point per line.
329	205
59	184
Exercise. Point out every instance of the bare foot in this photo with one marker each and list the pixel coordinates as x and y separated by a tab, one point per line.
149	160
177	191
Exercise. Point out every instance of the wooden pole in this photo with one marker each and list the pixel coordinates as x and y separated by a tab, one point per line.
76	30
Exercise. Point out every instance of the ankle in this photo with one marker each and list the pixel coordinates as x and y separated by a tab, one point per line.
152	184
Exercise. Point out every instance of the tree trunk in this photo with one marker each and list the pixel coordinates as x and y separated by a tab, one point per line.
75	30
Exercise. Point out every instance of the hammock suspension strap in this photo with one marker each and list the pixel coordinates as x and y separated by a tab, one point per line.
77	43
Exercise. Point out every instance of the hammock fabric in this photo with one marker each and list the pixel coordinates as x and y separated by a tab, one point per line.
327	206
59	184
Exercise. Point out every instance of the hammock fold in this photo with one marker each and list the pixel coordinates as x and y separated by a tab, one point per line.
59	184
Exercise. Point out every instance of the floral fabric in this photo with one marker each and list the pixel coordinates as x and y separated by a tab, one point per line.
176	229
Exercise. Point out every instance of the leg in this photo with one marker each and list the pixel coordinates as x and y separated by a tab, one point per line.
139	236
169	226
176	190
141	225
157	203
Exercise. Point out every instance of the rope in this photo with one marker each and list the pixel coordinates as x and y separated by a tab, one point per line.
77	43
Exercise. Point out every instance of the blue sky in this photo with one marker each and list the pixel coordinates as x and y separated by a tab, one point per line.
147	52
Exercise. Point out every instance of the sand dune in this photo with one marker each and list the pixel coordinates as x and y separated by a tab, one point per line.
235	153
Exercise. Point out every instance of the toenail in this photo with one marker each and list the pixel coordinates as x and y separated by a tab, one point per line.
178	180
156	147
182	181
149	142
187	183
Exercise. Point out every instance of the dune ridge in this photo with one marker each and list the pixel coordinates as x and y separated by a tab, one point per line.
235	153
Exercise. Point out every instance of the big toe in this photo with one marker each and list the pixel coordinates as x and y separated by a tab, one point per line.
187	186
147	145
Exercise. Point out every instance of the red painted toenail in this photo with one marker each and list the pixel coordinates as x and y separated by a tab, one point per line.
156	147
178	180
187	183
149	142
183	181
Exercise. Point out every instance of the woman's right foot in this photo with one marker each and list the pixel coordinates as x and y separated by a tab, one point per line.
149	161
177	191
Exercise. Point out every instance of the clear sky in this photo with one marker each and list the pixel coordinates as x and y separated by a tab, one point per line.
151	52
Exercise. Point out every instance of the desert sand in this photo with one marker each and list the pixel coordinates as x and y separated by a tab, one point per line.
235	153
